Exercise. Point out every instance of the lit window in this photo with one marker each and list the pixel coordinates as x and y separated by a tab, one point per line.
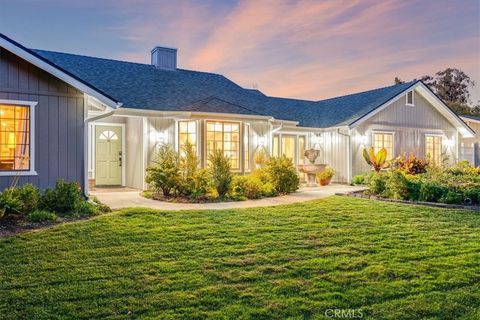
246	148
14	138
301	150
225	136
383	140
288	147
410	101
275	146
433	148
187	133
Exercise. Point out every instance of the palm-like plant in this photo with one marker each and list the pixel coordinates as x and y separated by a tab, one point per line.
378	161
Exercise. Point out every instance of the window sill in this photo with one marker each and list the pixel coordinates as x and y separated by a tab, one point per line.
17	173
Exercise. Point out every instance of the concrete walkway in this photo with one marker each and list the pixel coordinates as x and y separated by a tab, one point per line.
119	199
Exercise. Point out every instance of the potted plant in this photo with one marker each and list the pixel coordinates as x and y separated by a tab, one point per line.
325	176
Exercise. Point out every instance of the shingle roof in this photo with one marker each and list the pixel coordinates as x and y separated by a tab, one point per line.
476	118
143	86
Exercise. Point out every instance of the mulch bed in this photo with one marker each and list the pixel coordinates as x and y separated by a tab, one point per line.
362	194
11	227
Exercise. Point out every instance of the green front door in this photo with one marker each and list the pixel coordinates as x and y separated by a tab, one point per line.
108	155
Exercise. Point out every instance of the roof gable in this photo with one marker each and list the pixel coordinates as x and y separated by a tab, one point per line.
55	70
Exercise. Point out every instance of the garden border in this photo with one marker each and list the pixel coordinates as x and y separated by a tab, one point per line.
361	194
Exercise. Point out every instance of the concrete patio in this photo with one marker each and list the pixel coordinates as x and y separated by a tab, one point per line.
127	198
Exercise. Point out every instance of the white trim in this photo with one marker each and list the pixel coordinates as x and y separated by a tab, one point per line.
40	63
290	134
177	134
94	147
31	105
442	147
205	145
413	98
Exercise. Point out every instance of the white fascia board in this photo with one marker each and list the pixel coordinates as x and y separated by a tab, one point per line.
155	113
40	63
461	126
423	90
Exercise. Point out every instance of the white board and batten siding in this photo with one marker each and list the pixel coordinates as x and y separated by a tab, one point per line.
409	125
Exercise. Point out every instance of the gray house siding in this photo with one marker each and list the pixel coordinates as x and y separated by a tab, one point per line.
410	125
59	121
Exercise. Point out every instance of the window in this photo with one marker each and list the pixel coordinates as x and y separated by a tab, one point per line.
433	148
275	146
301	150
288	147
108	135
246	147
187	133
410	98
14	138
225	136
383	140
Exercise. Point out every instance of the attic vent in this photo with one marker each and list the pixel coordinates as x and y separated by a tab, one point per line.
164	58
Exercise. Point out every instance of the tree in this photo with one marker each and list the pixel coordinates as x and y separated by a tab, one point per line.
397	80
452	86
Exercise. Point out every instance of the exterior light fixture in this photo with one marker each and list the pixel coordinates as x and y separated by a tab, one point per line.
262	141
316	141
162	137
363	139
450	142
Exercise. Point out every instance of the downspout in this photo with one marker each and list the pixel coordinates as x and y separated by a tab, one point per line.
87	120
349	154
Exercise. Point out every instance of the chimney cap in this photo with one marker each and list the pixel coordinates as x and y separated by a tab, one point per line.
162	47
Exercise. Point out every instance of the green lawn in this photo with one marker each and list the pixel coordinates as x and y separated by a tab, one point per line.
387	261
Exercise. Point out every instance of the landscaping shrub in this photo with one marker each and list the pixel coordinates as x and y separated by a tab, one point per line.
164	174
64	198
414	185
452	197
192	183
19	200
86	208
396	186
261	174
377	183
431	191
260	157
37	216
411	164
325	176
100	205
359	179
282	174
219	169
247	186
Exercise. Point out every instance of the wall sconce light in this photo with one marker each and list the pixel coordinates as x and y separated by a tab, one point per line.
162	137
262	141
450	142
363	139
316	141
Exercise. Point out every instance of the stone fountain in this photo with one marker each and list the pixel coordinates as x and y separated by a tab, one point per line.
311	169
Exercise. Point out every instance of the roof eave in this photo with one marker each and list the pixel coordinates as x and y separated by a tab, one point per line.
46	65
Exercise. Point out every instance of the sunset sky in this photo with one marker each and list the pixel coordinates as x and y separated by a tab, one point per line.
302	49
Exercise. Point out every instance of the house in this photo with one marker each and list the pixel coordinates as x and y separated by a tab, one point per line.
101	121
470	146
